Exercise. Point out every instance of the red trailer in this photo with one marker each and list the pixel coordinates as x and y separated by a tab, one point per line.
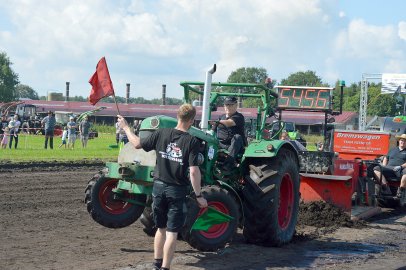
344	181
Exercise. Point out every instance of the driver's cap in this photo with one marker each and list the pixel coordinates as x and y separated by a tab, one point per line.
230	100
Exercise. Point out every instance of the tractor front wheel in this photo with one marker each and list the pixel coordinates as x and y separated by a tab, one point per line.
107	210
218	235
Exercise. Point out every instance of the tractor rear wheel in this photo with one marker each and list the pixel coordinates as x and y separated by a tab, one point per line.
218	235
147	220
271	200
107	210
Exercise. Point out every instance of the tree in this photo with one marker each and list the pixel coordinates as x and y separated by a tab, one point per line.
308	78
247	75
25	91
8	79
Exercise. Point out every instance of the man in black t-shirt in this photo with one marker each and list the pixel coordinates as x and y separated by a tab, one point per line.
230	131
176	151
394	165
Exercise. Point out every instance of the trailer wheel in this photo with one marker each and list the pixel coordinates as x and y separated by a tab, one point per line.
271	201
218	235
105	209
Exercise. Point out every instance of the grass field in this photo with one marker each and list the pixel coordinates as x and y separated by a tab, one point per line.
31	147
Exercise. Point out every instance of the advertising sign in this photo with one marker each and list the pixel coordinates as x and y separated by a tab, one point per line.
391	82
361	144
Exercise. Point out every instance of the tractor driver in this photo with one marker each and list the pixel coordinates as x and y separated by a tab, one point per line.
394	165
230	131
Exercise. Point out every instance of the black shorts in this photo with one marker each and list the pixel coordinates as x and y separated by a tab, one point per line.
169	205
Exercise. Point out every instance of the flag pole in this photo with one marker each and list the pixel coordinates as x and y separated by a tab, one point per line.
115	101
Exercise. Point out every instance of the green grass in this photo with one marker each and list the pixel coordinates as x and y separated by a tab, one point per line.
31	147
312	140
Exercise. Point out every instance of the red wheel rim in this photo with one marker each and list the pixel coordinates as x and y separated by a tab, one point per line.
107	201
219	229
286	201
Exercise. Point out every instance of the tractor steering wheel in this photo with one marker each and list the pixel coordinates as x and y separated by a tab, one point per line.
227	129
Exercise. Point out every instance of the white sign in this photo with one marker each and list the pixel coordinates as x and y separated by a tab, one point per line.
391	82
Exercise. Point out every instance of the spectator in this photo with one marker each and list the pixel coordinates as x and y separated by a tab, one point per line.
3	125
14	126
49	126
71	132
393	166
137	124
84	129
64	136
4	140
117	132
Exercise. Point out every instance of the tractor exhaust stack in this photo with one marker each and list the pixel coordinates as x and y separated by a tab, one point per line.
206	97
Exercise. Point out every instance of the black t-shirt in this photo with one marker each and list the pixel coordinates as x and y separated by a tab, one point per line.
396	157
176	151
225	135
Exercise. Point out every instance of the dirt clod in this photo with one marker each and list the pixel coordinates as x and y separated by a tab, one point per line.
321	214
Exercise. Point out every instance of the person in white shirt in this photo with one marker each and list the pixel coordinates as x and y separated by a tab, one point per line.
14	126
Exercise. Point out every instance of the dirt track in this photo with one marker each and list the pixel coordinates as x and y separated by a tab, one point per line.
44	225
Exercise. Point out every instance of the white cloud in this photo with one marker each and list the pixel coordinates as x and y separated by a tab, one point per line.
402	30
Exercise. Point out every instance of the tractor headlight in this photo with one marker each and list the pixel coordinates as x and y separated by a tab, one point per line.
154	122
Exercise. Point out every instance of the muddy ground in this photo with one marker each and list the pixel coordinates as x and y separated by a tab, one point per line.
44	225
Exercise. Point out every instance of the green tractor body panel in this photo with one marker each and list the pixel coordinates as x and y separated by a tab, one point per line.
134	178
259	149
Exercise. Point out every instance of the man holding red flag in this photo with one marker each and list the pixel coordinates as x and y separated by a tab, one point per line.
101	83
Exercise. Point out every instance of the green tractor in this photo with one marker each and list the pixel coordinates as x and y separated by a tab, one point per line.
261	194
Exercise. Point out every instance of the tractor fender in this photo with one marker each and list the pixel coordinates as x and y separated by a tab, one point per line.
235	193
260	149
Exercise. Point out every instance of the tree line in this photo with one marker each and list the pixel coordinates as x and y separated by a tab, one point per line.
381	105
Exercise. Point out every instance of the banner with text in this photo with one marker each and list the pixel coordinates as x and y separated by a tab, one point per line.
359	144
392	82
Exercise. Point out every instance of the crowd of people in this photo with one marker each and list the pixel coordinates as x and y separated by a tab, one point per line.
10	128
73	130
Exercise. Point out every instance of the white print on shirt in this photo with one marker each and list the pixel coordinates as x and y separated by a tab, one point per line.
173	153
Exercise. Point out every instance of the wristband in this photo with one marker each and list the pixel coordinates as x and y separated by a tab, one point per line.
199	196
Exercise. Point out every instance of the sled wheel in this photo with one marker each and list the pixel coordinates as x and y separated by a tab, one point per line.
107	210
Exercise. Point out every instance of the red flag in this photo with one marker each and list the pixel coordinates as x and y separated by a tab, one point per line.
101	83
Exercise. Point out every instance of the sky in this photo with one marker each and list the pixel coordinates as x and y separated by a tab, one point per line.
148	43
